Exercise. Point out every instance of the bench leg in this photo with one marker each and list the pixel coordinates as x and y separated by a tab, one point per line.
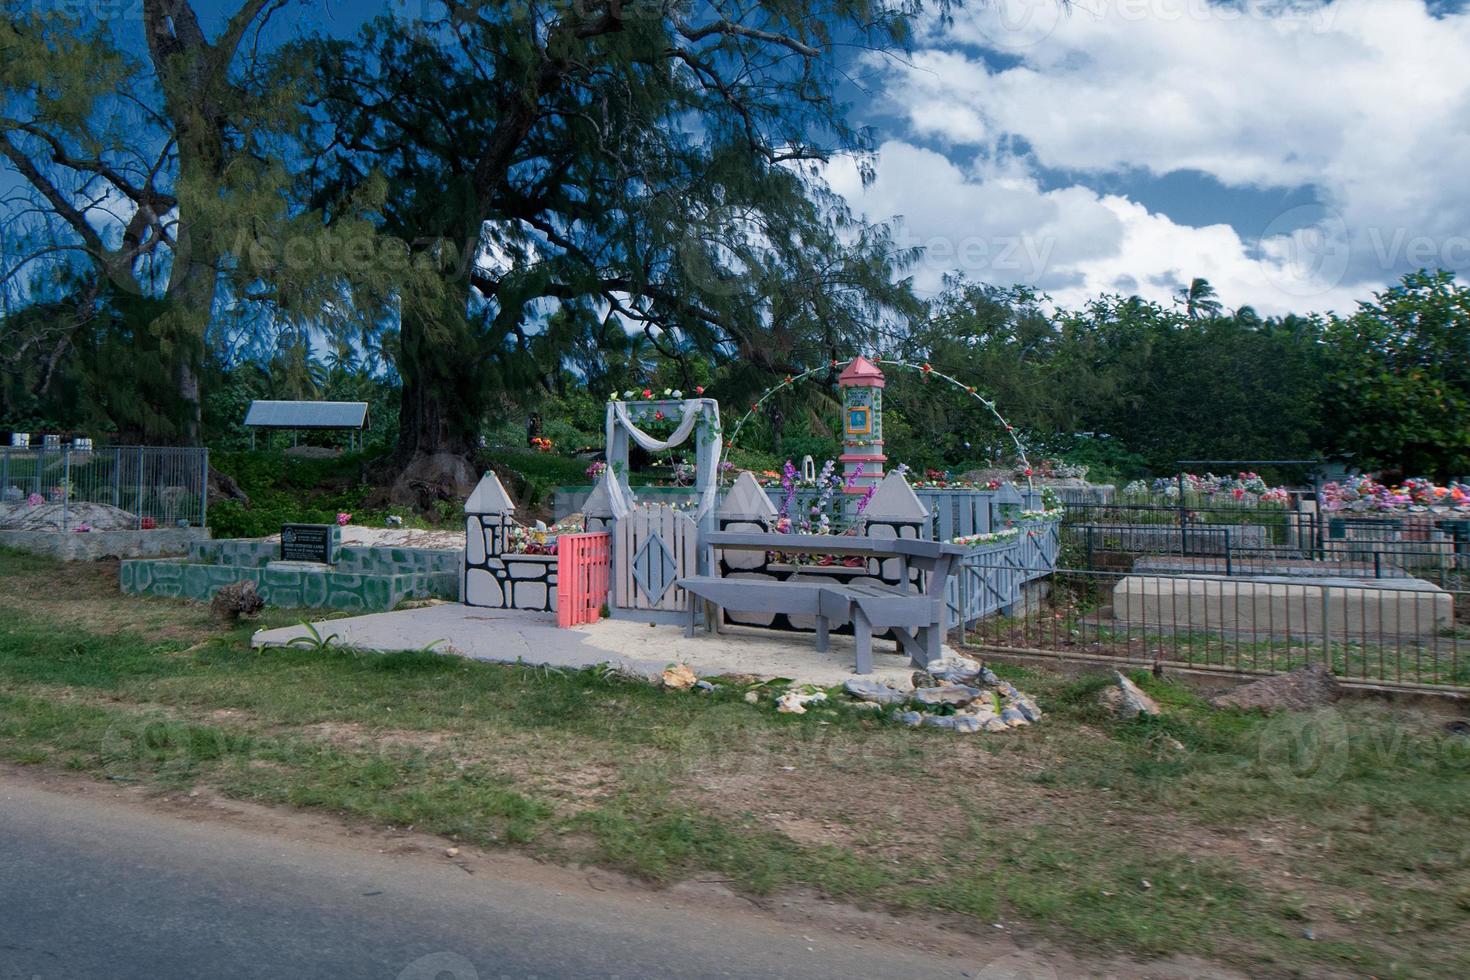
822	641
693	616
863	630
933	637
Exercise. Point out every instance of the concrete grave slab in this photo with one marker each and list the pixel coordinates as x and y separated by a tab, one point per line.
512	635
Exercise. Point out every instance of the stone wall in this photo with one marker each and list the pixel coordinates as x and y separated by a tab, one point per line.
92	545
496	580
366	579
491	578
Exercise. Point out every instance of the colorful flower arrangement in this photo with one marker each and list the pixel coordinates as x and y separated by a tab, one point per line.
343	519
1055	469
147	523
987	537
648	394
1362	493
595	471
35	500
542	444
943	480
523	540
1245	487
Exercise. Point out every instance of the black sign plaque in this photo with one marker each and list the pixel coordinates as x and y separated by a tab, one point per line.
307	542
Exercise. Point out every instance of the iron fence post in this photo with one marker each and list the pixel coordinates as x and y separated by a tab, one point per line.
66	488
204	487
1183	519
1227	553
117	477
1326	628
138	501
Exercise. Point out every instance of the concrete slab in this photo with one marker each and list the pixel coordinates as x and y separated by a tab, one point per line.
512	635
1360	610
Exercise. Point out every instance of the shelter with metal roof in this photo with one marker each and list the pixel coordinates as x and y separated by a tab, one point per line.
298	415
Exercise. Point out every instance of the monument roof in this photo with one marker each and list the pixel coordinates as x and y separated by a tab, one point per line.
861	372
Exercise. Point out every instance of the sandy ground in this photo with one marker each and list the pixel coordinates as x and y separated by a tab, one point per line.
510	636
397	537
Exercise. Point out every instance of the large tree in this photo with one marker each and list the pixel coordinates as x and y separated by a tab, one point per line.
628	165
150	155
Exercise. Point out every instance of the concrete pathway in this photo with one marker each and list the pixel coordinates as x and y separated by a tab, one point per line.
511	636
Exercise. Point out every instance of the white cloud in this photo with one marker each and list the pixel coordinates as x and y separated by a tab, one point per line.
1363	100
1071	242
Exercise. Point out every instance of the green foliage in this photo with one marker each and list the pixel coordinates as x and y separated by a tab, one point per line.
1149	384
682	204
1400	377
290	489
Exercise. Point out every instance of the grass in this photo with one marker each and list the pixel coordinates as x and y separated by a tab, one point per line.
1222	834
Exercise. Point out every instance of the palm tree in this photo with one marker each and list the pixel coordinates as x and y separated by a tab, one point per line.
1199	299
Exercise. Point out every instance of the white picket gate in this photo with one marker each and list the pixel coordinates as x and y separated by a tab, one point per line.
656	546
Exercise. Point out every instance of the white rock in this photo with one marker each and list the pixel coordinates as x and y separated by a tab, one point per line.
1125	700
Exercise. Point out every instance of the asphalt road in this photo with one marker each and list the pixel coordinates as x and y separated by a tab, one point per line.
92	889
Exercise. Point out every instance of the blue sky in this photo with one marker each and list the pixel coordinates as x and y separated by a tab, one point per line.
1300	154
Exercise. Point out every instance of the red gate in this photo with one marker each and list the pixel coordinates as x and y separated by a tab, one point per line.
582	563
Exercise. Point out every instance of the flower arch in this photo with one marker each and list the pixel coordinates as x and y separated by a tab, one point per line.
925	370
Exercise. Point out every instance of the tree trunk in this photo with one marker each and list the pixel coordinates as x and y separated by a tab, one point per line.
191	292
439	416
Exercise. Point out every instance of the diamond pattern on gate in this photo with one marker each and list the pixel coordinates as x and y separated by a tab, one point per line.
654	569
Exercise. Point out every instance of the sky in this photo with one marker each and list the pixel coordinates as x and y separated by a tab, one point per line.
1299	154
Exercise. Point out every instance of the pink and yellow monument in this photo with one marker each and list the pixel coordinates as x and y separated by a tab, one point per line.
862	424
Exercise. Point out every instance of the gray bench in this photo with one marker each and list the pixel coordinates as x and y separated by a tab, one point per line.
915	619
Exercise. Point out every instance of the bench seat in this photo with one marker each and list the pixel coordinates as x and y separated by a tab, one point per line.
866	604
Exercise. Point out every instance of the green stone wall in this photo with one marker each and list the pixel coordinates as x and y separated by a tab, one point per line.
368	579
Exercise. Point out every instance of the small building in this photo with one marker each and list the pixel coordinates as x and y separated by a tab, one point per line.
351	417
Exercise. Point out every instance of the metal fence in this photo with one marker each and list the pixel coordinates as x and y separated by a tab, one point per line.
1242	587
1401	633
1293	539
111	488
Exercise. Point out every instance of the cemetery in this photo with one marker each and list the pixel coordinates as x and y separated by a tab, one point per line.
886	562
853	553
753	489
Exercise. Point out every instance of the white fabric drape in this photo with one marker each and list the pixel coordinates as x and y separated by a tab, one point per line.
620	498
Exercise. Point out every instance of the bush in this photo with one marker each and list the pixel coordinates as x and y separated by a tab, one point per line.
289	490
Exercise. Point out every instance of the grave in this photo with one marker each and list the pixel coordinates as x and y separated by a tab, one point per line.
1284	606
308	568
